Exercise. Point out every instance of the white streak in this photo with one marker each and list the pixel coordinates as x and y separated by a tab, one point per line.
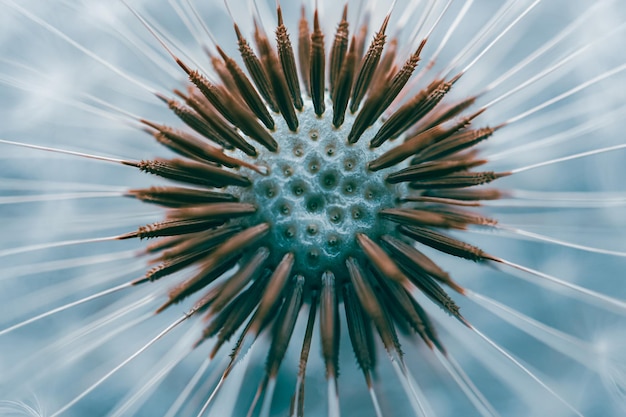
526	371
584	294
65	307
120	366
61	151
570	157
569	93
543	238
41	246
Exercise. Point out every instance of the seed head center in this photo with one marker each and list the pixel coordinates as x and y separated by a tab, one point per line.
319	193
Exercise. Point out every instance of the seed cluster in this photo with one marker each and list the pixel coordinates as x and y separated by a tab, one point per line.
312	198
318	194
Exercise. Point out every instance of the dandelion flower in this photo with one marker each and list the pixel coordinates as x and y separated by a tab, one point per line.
382	208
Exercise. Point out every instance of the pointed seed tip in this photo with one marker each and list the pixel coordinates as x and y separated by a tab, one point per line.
183	66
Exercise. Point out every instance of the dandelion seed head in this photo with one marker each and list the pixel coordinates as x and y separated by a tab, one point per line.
315	199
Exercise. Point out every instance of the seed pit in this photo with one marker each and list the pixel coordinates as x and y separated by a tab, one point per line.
268	189
283	207
371	193
298	188
329	180
333	242
349	187
315	204
335	215
314	166
290	232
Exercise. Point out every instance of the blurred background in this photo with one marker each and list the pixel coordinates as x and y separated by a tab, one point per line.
75	75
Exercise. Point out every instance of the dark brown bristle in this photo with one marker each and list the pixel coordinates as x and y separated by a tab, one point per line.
192	173
398	81
224	73
225	254
195	121
241	116
379	258
222	132
288	61
264	47
165	243
233	315
212	93
371	304
467	194
446	244
200	242
212	211
329	325
184	149
386	64
414	217
419	261
247	91
406	149
256	71
171	228
457	215
457	180
380	97
192	146
432	169
179	196
273	292
455	143
438	116
398	302
338	50
412	112
360	331
434	291
304	51
344	86
429	328
318	65
187	252
368	66
284	325
298	405
249	125
281	91
439	200
418	143
232	286
364	119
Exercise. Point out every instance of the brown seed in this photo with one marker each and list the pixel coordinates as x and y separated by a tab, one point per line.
288	61
318	65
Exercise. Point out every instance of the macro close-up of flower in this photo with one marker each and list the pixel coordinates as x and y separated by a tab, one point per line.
312	208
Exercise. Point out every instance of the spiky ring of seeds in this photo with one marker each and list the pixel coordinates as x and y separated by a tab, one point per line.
325	207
